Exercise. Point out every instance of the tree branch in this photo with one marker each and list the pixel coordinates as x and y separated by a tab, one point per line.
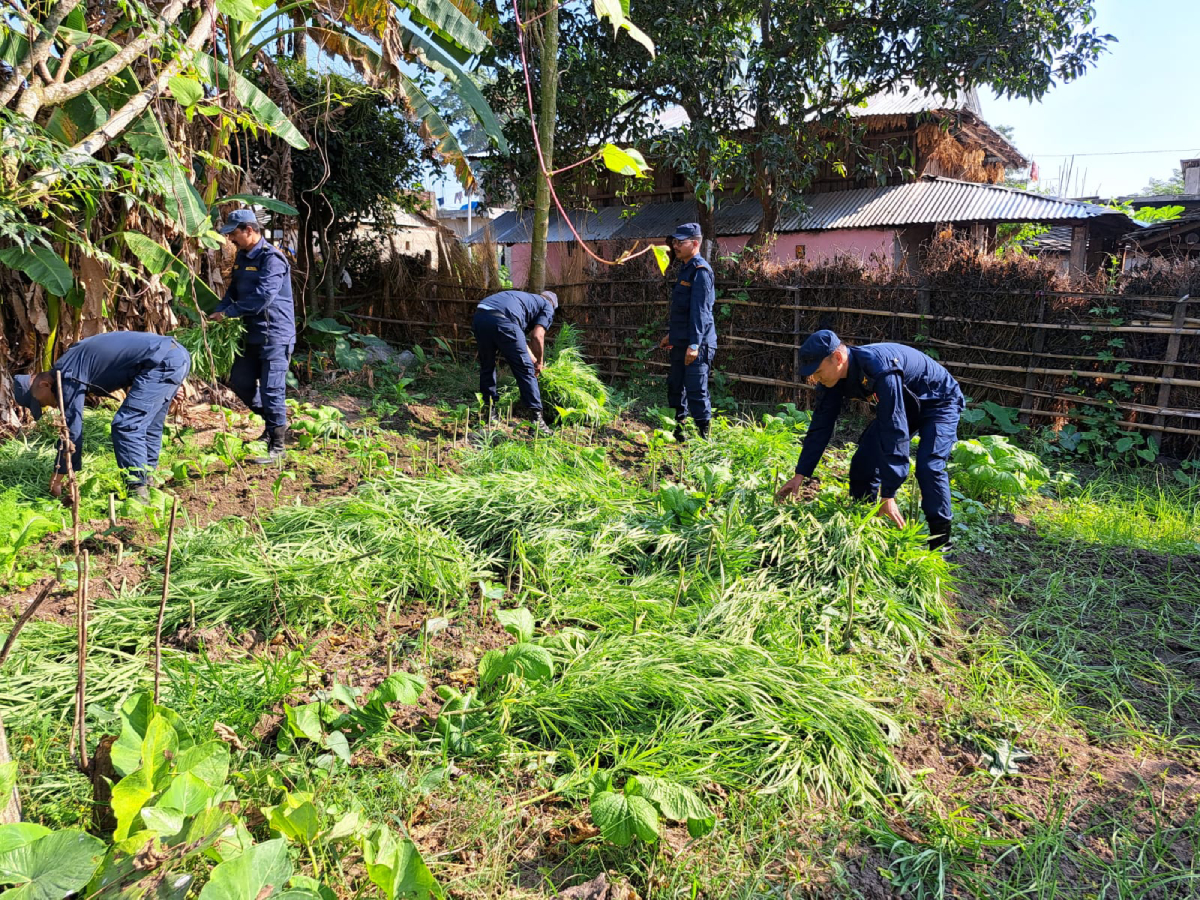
136	105
56	94
39	52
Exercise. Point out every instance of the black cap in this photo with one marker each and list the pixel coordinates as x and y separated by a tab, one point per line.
23	394
814	350
689	231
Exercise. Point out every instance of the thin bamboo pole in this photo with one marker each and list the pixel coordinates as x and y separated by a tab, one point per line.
162	603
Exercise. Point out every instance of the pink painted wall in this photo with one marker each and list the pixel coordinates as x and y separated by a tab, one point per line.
559	259
860	243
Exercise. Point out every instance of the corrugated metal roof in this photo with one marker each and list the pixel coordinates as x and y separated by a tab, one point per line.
930	201
905	99
1056	240
514	227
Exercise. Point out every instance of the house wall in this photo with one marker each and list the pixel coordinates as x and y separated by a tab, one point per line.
869	245
865	244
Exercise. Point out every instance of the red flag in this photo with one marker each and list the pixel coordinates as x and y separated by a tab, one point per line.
1033	172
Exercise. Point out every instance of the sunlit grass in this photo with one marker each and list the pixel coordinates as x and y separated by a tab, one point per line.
1107	511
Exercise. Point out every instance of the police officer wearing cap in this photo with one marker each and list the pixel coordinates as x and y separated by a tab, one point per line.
912	395
691	333
148	367
501	324
260	292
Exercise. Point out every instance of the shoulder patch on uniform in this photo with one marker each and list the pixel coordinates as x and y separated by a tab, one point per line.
686	283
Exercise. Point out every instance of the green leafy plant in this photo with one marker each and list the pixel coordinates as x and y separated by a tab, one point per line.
20	526
635	811
569	383
992	468
224	342
987	415
523	659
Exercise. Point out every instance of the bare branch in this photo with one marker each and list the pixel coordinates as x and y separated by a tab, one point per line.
39	52
93	78
134	107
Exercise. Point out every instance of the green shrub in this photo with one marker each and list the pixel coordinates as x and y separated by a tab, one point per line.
571	385
991	468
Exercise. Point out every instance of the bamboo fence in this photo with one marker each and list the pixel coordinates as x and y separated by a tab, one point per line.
1053	355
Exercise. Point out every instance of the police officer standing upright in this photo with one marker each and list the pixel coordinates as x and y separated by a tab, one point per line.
260	292
913	396
148	367
691	333
501	322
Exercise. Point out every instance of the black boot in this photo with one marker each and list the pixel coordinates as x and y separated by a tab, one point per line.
139	492
702	429
275	438
680	432
540	426
939	535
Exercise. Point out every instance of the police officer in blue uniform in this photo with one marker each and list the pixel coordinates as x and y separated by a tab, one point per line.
260	291
691	333
501	323
149	367
913	396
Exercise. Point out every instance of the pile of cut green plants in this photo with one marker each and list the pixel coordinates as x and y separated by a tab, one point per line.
213	347
569	385
695	631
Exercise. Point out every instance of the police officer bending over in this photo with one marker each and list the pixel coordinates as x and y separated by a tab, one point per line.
260	291
149	367
912	395
500	325
691	333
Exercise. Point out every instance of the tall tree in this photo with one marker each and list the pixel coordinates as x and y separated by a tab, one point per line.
768	86
547	118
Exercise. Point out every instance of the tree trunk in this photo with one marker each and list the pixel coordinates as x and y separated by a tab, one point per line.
706	216
764	181
546	117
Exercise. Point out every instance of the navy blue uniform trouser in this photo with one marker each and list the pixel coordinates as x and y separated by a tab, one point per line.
497	333
937	427
138	425
259	378
687	386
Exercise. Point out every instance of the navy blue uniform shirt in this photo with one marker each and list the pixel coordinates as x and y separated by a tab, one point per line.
899	380
260	292
101	364
523	308
691	318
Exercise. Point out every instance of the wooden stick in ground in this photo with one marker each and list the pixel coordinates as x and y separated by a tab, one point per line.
72	485
37	601
162	603
79	734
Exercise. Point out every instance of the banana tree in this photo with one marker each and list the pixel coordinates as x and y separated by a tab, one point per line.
377	39
97	121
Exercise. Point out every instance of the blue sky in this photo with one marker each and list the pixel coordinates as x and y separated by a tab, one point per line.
1144	95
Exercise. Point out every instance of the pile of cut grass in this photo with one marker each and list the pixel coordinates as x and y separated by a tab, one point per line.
714	633
571	385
